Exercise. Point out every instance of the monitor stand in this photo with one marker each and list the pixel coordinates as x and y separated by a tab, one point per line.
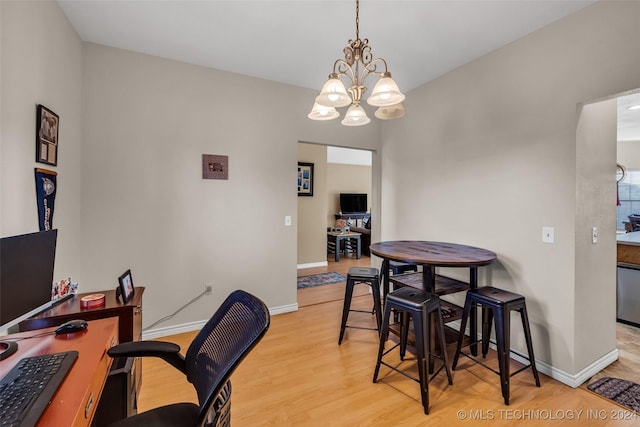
7	348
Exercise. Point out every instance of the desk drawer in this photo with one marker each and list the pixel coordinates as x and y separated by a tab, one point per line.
91	398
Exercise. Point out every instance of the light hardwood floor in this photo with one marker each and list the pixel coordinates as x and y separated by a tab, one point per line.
298	375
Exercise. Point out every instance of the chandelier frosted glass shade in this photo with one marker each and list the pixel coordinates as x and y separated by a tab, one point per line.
356	116
322	112
385	92
391	112
333	93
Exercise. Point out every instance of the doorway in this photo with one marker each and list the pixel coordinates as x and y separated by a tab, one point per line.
627	154
336	170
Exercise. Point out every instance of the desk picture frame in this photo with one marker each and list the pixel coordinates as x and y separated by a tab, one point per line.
305	179
126	288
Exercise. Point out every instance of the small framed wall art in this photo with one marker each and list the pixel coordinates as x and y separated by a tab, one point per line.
215	167
47	124
305	179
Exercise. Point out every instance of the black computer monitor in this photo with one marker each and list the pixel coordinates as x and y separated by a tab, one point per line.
26	275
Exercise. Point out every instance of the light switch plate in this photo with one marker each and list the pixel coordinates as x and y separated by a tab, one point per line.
547	234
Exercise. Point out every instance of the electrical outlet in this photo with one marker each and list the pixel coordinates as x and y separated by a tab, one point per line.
208	289
548	234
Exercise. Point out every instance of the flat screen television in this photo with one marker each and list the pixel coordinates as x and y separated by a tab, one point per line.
26	275
353	203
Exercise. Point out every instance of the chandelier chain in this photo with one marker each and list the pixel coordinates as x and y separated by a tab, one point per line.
357	19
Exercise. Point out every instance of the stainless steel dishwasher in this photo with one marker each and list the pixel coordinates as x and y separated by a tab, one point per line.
628	294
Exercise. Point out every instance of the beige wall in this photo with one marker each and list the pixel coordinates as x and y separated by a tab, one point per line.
342	178
629	154
147	121
41	64
487	155
312	230
595	269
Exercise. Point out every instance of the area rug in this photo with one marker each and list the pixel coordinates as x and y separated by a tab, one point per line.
623	392
320	279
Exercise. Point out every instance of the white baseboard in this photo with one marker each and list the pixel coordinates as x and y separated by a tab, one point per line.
564	377
313	264
557	374
173	330
283	309
594	368
196	326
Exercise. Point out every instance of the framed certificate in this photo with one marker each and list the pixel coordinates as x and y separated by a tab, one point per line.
47	124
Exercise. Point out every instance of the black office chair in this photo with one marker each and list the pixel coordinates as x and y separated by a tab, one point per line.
235	328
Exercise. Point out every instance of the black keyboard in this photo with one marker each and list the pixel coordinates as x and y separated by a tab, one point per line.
28	388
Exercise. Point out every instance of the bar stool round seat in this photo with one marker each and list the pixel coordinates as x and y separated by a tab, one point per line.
497	303
356	276
418	305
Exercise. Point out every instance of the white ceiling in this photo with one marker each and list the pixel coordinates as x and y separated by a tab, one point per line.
297	41
629	120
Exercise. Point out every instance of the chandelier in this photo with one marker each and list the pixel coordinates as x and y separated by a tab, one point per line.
357	65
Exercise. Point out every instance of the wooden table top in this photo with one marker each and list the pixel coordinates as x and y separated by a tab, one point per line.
433	253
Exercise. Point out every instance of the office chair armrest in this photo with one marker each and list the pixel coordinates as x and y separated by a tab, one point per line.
169	352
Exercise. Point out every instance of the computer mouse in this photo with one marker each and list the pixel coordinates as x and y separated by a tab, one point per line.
71	327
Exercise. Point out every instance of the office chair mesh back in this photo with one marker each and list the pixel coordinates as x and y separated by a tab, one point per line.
219	347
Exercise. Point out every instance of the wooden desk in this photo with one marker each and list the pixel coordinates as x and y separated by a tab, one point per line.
129	328
431	255
335	237
75	402
129	314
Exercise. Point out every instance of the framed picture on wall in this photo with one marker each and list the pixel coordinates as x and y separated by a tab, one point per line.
305	179
215	167
47	124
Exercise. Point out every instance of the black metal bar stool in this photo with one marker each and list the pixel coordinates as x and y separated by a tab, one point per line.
398	267
497	303
356	276
419	305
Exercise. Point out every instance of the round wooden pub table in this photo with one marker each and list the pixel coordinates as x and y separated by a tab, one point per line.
431	255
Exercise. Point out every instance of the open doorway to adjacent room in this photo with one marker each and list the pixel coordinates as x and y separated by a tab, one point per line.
628	187
336	170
